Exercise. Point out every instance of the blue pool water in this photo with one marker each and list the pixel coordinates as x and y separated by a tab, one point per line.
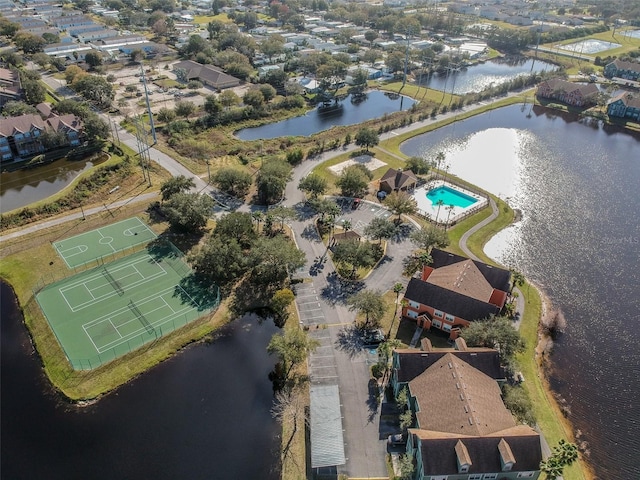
450	196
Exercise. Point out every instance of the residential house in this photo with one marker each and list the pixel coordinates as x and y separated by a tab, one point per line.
10	86
455	291
624	105
68	21
21	136
462	430
398	180
93	35
622	69
407	364
576	94
207	74
68	50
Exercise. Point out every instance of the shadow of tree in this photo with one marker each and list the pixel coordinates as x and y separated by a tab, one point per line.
304	211
338	289
349	341
194	289
373	401
310	233
402	232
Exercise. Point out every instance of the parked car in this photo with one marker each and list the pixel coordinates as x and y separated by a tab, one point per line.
396	440
372	337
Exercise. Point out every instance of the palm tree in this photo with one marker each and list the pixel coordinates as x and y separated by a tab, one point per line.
439	159
449	211
439	203
397	288
517	278
257	216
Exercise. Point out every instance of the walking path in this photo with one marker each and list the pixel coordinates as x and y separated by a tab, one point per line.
340	360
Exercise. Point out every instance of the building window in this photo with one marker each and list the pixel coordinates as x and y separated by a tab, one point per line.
438	313
412	314
475	476
446	327
449	318
525	474
413	304
437	323
490	476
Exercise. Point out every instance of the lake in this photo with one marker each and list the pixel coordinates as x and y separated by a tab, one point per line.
203	414
19	188
484	75
576	183
374	105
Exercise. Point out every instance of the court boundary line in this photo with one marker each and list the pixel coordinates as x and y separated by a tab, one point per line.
140	223
192	305
98	274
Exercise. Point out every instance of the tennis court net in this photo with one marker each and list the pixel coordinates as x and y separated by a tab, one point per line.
143	320
114	283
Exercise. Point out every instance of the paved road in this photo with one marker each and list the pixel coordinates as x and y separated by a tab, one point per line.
341	359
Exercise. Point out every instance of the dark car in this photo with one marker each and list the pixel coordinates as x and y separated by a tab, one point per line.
372	337
396	440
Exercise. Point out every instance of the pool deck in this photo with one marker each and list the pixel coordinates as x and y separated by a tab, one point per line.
445	215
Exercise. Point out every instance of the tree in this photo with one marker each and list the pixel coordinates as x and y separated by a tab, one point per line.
370	36
15	108
280	304
416	262
228	98
380	228
401	203
272	179
184	108
314	185
181	74
370	304
194	84
95	128
268	92
93	59
519	404
95	89
220	260
295	157
41	59
494	332
326	208
406	466
175	185
237	226
29	43
188	211
72	72
563	455
282	214
517	279
367	137
292	348
274	259
166	115
253	97
8	28
429	237
353	181
272	46
354	253
232	181
34	92
418	165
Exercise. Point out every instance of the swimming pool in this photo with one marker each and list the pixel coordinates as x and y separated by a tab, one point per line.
450	196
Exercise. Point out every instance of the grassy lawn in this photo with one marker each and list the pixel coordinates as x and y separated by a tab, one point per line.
202	20
627	44
553	424
27	260
294	462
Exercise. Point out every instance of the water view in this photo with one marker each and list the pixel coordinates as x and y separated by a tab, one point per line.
575	182
19	188
203	414
348	112
484	75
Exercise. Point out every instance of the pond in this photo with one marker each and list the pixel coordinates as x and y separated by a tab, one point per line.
348	112
575	181
484	75
19	188
205	413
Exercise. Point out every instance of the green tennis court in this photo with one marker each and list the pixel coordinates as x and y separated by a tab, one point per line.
101	242
105	312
